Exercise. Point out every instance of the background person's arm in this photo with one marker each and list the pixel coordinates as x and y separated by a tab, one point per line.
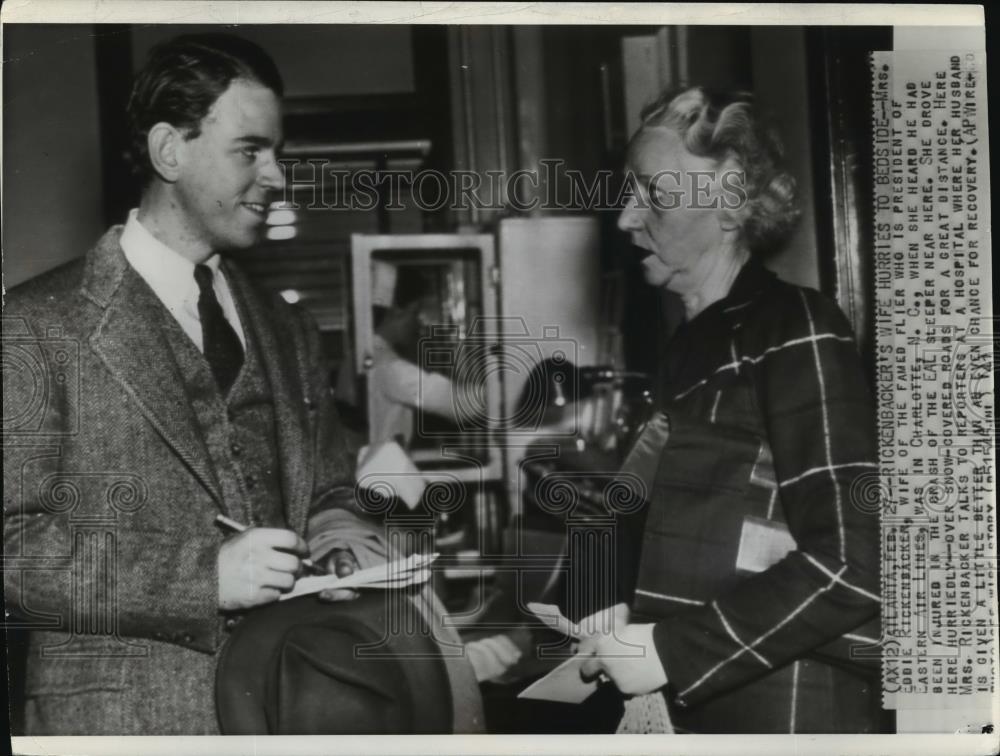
405	383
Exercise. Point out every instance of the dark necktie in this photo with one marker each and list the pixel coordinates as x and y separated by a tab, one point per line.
221	344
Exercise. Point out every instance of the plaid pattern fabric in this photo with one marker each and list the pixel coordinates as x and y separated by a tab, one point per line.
809	393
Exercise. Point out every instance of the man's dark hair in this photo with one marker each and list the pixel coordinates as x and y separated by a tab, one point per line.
182	79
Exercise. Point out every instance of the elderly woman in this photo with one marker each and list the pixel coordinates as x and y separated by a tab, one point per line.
759	561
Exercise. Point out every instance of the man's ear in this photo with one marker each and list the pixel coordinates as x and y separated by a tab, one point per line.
165	144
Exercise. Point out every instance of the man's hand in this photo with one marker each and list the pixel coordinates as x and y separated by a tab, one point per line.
341	563
628	657
256	566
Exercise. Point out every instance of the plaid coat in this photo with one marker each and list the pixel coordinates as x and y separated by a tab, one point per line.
110	497
760	554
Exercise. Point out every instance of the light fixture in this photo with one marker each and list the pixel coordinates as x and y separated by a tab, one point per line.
280	217
281	233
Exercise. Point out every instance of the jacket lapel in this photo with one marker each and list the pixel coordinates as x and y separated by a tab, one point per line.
287	378
129	340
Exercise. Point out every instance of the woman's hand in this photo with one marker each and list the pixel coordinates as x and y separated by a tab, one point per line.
605	622
594	626
628	656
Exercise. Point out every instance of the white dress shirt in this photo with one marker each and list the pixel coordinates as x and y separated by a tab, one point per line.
171	277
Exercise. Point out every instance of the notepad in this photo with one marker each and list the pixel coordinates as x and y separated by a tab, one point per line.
396	574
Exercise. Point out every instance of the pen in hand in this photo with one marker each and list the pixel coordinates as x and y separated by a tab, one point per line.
238	527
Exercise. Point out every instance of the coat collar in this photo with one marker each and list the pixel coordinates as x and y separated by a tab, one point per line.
104	268
752	279
129	340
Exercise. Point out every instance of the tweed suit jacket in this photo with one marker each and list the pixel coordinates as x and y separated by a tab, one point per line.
110	496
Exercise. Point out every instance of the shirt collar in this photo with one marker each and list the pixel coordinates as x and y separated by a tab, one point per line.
169	274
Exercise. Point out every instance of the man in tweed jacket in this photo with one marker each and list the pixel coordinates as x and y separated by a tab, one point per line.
126	433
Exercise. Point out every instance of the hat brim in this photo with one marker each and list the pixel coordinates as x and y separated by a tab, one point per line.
304	666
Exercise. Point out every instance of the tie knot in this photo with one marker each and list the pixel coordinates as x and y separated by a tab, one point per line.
203	275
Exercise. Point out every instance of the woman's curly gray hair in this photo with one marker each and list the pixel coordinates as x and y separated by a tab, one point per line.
725	126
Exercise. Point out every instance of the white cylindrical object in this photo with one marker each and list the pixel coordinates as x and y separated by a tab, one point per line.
550	283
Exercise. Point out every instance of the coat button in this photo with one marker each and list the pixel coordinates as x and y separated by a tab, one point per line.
236	449
232	622
188	638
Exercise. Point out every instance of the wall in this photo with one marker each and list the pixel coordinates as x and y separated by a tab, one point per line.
52	146
316	61
52	206
52	168
780	86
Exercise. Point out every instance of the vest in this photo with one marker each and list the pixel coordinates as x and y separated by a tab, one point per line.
239	429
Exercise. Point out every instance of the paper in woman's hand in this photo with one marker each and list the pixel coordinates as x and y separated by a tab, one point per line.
551	615
397	574
564	683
